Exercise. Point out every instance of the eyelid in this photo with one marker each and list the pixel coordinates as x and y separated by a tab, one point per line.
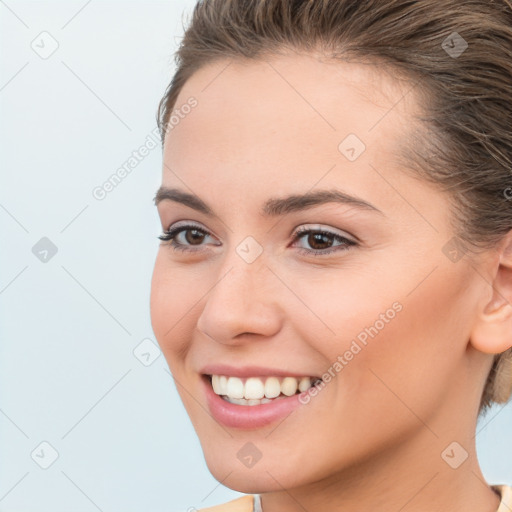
169	235
345	239
321	227
301	228
187	223
190	224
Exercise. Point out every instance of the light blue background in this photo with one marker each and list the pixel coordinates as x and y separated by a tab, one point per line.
69	326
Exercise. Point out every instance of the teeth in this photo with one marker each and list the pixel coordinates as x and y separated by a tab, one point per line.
272	387
215	384
223	385
241	401
235	388
304	384
255	391
289	386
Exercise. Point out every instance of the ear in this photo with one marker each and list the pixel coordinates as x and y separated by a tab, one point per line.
492	332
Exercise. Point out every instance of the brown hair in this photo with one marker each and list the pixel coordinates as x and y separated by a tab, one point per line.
458	53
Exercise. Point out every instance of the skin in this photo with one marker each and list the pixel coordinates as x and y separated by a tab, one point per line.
372	439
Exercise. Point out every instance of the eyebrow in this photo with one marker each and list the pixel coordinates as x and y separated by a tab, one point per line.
273	207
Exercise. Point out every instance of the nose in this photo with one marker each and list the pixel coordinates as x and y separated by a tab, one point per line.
241	301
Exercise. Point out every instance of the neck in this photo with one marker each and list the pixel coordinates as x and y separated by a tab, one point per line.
410	477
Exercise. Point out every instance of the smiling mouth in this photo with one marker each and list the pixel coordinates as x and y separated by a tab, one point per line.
259	390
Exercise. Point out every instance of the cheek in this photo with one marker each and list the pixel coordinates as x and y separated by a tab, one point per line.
172	301
342	306
411	336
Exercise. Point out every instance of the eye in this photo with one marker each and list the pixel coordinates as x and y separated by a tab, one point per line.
184	236
322	241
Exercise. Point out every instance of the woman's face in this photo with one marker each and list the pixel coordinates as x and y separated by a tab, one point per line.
379	306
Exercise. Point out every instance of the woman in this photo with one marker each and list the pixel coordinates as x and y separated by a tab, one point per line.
333	289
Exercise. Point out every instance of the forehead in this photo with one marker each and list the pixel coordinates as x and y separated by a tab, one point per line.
286	123
289	107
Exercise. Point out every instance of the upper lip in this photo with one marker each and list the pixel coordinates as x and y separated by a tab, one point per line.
250	371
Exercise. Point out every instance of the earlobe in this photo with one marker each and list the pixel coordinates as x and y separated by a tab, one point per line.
492	332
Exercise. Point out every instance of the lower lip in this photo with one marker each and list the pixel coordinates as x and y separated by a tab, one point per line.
248	416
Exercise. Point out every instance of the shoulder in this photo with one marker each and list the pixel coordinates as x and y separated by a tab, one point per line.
505	491
242	504
246	503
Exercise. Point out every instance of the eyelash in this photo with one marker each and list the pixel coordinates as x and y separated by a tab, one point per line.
170	235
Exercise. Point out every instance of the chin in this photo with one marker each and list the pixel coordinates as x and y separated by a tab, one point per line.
248	481
264	476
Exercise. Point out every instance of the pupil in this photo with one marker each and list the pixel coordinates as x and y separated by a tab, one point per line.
197	237
318	237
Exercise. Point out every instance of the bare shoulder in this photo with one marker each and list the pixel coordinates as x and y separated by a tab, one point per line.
506	497
242	504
